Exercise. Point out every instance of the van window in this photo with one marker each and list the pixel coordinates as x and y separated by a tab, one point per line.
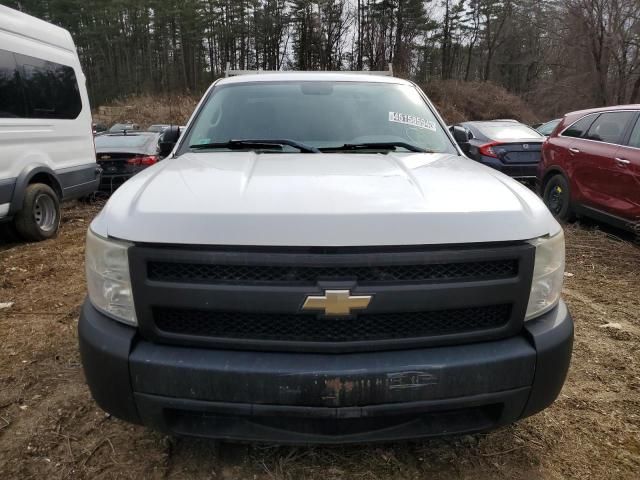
12	104
609	127
34	88
51	88
38	84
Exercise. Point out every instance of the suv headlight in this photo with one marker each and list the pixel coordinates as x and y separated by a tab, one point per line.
108	281
548	274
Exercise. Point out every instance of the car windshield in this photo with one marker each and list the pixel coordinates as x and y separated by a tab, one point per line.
121	141
319	115
157	128
508	131
547	128
121	126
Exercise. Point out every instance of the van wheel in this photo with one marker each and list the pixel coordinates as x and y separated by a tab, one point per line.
557	197
39	218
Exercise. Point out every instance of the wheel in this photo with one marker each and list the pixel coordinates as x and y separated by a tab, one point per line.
39	218
557	197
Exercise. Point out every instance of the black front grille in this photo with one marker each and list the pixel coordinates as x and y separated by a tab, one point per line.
311	328
309	275
252	297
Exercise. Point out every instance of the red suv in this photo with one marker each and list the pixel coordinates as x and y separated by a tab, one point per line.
591	166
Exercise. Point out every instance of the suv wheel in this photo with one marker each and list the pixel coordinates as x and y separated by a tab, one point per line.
39	218
557	197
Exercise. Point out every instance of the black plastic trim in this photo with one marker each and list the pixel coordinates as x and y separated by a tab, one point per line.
301	425
552	337
7	186
79	181
69	183
23	181
327	250
104	350
606	217
387	298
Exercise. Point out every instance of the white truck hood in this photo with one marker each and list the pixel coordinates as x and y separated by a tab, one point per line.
351	199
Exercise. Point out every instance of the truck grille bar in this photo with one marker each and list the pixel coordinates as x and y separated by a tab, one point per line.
205	273
308	328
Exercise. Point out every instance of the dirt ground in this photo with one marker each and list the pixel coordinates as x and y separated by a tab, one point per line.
50	427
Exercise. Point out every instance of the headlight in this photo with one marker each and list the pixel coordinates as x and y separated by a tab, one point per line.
108	281
548	274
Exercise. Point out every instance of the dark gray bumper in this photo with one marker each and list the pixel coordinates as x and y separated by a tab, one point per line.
325	398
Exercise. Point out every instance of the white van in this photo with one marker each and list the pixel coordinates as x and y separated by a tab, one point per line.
46	142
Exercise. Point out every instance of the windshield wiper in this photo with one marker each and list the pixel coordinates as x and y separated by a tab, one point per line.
256	145
376	146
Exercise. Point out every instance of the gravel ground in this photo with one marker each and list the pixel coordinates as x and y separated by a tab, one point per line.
50	427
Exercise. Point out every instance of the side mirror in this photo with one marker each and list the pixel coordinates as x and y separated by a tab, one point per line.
460	135
168	139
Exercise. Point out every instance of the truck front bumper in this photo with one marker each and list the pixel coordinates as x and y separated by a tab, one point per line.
308	398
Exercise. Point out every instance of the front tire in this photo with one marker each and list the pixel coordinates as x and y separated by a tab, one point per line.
557	197
39	217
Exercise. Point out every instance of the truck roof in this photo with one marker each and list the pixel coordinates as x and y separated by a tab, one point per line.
23	25
312	76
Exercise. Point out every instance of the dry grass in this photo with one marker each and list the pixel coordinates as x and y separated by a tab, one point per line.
149	109
461	101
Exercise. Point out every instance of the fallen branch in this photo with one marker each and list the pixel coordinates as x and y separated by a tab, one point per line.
493	454
6	423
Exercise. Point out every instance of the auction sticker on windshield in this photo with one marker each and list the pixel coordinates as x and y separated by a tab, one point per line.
412	120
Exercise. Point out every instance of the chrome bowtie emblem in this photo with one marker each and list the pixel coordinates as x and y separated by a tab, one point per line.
336	302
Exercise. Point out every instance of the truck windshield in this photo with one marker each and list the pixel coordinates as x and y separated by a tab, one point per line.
319	115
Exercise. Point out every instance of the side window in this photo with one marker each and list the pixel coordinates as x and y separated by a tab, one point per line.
634	141
51	88
579	128
12	104
39	84
609	127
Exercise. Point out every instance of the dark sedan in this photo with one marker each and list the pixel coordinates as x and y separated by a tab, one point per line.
122	155
506	145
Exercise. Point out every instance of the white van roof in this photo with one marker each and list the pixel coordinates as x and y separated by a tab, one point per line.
24	25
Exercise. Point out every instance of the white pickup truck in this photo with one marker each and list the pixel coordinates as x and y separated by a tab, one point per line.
317	262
